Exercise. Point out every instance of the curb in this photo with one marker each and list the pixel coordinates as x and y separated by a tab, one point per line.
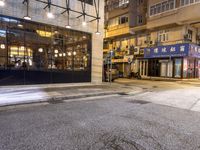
54	100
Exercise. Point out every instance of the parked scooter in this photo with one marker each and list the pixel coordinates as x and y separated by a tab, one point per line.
135	75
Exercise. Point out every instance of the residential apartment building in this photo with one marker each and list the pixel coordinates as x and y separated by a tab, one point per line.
174	33
51	41
165	34
117	32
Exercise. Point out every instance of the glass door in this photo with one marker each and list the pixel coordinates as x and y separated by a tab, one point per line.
177	68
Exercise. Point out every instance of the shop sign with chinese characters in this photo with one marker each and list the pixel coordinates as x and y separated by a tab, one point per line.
178	50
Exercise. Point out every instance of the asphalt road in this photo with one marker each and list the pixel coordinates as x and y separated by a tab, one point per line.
108	123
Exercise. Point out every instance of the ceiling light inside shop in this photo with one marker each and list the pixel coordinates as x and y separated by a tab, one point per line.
14	48
56	55
64	54
2	3
50	15
40	50
56	51
74	53
22	48
69	53
56	32
60	54
2	46
20	25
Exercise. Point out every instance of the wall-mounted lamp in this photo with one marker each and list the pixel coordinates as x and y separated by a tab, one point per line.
84	23
27	17
50	15
68	26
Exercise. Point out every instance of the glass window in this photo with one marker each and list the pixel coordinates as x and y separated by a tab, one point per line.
162	7
42	49
178	68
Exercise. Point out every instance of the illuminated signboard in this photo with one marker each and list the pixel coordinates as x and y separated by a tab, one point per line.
178	50
194	51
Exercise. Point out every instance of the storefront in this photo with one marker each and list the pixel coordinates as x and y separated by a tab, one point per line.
36	53
174	61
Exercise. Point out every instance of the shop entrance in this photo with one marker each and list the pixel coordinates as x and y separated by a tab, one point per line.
143	67
166	68
154	68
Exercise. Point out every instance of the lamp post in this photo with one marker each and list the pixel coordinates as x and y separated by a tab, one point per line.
110	70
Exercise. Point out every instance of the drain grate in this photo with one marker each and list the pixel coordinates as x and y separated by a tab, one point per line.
123	93
55	101
139	102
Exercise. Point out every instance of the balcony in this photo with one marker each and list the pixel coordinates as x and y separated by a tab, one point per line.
117	30
182	15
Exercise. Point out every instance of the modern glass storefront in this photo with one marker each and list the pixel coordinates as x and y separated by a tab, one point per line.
36	53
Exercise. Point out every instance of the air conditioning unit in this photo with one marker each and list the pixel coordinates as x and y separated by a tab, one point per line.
125	5
187	37
118	49
151	42
157	43
137	50
198	37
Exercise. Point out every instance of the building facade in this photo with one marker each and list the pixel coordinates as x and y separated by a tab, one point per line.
174	32
166	35
51	46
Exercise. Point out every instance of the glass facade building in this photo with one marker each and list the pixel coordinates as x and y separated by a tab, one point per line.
37	53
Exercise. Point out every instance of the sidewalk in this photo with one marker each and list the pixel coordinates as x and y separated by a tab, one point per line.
168	79
25	94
